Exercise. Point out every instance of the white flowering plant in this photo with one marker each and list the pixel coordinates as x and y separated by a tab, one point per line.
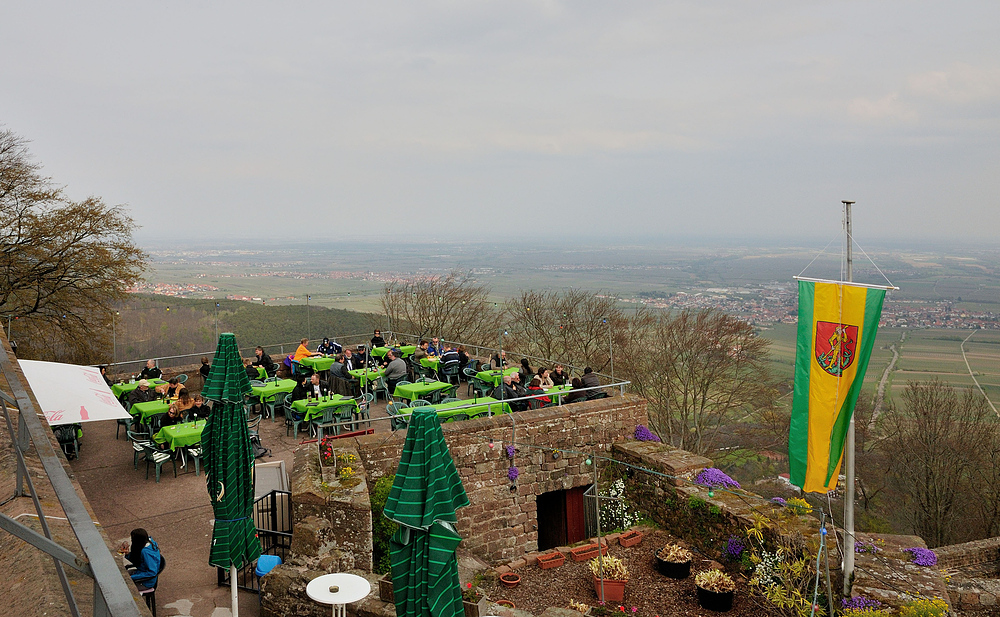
616	513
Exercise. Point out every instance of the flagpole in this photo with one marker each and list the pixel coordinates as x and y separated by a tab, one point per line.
849	454
234	591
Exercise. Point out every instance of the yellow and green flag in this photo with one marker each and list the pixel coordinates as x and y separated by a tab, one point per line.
837	327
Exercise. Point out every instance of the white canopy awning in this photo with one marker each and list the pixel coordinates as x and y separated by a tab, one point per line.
69	393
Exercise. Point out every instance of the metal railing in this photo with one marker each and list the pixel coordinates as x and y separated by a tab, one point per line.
272	515
112	596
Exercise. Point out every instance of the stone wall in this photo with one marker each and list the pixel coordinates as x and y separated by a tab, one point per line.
969	553
688	512
500	523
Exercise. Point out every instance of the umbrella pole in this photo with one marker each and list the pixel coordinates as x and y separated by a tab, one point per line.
234	590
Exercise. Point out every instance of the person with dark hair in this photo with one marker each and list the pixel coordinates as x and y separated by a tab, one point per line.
205	369
377	340
395	370
184	400
263	360
199	410
463	360
310	387
525	371
558	376
142	559
577	393
170	389
590	379
499	361
544	377
535	387
421	351
104	374
251	370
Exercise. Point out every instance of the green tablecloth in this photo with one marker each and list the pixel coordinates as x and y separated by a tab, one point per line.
494	377
313	412
365	376
318	363
146	410
180	435
284	385
406	350
262	373
430	362
446	410
414	391
124	388
556	392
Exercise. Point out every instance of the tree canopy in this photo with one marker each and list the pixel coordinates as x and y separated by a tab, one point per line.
63	263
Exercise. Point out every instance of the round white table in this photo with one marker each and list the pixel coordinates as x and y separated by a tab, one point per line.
352	588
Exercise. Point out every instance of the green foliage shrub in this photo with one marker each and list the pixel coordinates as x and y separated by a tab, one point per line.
382	528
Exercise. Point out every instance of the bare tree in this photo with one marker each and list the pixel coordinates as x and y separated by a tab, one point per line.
63	264
934	448
454	306
700	371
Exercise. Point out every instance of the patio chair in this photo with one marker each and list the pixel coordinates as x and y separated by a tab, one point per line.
158	458
426	379
380	386
291	424
402	383
195	453
272	403
474	365
419	403
155	421
480	387
451	374
450	399
396	422
470	377
182	378
458	417
252	426
330	419
364	405
596	394
257	383
123	422
139	442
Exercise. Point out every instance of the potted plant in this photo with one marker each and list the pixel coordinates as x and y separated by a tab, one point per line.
510	579
630	538
588	551
473	601
716	590
551	560
674	561
615	577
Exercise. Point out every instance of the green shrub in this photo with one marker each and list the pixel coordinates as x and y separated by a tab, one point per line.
382	528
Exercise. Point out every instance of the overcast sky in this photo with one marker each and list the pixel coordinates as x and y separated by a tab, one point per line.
456	120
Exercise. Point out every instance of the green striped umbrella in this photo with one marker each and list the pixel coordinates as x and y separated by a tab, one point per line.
423	499
229	462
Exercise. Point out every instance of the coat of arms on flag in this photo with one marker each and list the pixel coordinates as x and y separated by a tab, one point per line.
836	345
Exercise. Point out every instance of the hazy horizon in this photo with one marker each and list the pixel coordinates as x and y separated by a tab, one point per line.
502	120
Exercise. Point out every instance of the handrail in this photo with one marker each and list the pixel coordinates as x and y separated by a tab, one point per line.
112	597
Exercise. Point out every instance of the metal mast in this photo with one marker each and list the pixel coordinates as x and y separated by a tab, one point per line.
849	453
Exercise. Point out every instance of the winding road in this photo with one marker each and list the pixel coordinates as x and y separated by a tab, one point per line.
973	375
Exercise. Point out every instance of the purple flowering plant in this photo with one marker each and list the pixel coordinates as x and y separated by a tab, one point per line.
715	478
734	548
510	451
859	603
866	547
780	501
512	473
644	434
922	556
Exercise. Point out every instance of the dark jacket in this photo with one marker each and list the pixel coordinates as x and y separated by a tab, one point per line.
590	380
303	391
265	361
558	379
138	396
150	373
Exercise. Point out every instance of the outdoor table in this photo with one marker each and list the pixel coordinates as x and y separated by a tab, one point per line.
284	385
318	363
556	392
351	589
124	388
405	350
430	362
494	376
181	435
148	409
413	391
366	375
477	406
314	411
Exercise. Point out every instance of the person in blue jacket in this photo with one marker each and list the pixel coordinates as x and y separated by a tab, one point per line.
143	561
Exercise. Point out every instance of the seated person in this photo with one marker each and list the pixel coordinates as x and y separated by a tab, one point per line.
395	370
434	349
499	361
526	372
463	360
142	560
576	394
303	351
263	360
205	369
544	378
170	389
199	408
104	374
505	391
515	382
150	371
558	375
325	347
449	360
252	372
311	387
172	417
361	356
350	363
535	387
142	394
184	400
421	351
590	380
377	340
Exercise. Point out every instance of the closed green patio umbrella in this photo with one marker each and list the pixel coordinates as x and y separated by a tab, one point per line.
229	463
422	501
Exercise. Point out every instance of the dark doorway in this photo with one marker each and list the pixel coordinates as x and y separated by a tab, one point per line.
560	518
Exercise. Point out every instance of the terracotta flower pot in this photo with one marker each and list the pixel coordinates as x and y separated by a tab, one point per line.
551	560
715	600
510	580
587	552
614	590
507	603
630	538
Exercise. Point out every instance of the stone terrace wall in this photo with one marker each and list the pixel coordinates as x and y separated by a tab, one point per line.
969	553
500	525
688	512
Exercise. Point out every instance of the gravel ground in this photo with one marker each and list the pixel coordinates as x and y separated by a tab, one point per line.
651	593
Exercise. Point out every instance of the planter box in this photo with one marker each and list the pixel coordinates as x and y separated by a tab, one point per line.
587	552
475	609
630	538
551	560
715	601
385	589
614	591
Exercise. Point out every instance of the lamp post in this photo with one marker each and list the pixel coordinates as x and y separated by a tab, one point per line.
114	339
611	350
308	333
216	321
